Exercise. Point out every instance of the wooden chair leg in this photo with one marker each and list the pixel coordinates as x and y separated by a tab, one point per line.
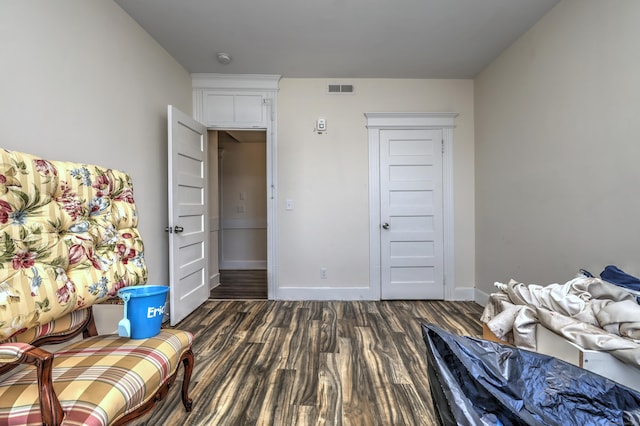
188	362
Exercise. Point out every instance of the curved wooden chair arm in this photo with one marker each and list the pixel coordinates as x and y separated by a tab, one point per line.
50	407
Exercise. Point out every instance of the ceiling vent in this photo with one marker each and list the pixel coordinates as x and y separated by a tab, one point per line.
340	89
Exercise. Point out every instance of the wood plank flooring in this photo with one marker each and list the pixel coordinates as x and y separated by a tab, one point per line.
311	363
241	284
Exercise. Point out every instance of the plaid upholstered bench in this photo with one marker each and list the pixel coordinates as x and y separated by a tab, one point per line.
69	240
99	380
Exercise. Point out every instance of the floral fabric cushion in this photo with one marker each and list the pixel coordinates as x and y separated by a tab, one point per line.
68	239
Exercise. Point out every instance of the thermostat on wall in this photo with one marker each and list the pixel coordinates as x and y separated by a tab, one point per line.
321	125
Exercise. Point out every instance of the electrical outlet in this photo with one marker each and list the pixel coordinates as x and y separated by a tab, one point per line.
323	273
240	208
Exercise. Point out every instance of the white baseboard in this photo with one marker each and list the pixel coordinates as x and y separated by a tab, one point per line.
359	293
324	293
214	280
463	294
481	298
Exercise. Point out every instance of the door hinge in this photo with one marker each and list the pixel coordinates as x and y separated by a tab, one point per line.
442	146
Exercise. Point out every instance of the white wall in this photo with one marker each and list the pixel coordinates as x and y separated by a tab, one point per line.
244	204
81	81
327	175
557	147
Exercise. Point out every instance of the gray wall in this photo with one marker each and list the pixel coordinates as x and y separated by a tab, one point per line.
81	81
557	147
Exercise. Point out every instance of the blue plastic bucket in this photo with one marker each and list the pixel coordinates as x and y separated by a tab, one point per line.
145	308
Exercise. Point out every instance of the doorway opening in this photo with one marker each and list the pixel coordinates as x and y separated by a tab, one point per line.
242	214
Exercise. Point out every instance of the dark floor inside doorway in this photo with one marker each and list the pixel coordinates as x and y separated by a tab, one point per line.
241	285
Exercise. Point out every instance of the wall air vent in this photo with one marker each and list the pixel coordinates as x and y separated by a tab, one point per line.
340	89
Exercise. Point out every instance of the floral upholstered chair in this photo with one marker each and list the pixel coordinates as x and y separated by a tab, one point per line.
68	240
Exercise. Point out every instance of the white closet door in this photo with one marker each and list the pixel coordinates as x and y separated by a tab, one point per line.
411	213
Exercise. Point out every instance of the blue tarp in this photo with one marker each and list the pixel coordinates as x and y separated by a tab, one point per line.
478	382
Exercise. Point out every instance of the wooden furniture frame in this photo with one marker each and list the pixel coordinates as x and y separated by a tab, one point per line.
50	407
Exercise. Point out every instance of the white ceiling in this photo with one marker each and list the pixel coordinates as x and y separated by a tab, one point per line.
338	38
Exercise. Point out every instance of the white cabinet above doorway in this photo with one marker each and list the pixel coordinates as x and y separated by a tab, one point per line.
228	109
234	101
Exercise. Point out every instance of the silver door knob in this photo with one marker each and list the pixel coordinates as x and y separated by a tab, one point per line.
178	229
385	225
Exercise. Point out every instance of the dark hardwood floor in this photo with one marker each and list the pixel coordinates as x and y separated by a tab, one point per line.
311	363
241	284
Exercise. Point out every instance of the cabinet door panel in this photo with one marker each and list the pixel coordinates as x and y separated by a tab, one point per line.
218	108
233	109
248	109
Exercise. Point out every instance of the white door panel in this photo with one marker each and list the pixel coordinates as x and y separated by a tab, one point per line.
188	250
411	214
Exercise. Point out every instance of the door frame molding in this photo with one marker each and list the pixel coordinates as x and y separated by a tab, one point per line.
268	87
377	121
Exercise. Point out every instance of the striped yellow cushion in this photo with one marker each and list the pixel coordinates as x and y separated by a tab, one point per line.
12	352
97	380
60	327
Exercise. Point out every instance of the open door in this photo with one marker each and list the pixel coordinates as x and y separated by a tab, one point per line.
188	248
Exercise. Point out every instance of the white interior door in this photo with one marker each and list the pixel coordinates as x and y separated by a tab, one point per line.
188	239
411	213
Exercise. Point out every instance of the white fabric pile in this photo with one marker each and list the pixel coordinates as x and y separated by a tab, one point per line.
587	311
